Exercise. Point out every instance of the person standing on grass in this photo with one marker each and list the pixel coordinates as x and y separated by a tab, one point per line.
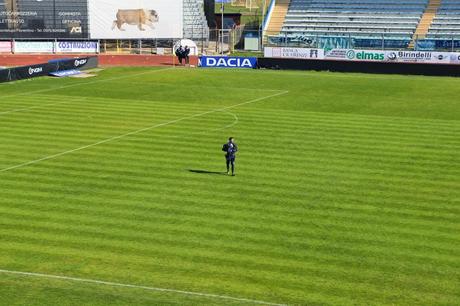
180	54
230	149
187	55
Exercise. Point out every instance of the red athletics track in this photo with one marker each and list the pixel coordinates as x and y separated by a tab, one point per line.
104	59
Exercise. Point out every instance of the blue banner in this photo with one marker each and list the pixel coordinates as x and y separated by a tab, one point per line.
65	73
227	62
437	44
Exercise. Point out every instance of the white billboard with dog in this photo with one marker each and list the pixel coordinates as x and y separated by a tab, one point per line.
135	19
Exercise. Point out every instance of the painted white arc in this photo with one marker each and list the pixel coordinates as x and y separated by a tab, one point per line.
114	284
140	131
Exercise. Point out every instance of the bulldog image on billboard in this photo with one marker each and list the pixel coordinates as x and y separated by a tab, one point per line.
138	17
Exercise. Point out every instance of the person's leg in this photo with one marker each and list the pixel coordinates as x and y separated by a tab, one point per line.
228	165
233	166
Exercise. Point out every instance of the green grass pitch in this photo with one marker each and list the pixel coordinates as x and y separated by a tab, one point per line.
347	189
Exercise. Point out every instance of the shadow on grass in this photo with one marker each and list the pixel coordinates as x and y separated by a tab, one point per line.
207	172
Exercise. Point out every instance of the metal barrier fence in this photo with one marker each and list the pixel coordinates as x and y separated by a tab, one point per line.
376	42
228	41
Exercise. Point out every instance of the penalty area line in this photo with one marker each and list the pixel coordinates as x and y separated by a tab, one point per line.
223	109
114	284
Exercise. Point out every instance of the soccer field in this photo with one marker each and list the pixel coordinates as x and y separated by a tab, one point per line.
347	189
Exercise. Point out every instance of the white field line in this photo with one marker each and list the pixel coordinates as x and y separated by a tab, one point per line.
86	83
214	87
235	122
113	284
17	110
140	131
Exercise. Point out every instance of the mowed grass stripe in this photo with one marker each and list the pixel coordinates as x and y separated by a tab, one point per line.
83	292
213	266
348	212
136	170
313	118
106	231
314	142
344	162
330	131
284	115
341	218
317	252
376	145
336	197
383	142
400	208
318	181
322	257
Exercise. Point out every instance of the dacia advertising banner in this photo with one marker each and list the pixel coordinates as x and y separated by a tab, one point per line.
43	19
136	19
300	53
227	62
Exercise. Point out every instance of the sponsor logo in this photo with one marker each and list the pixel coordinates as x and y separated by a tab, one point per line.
414	55
337	54
78	63
77	45
351	54
455	58
392	56
365	56
66	73
300	53
228	62
35	70
76	30
313	53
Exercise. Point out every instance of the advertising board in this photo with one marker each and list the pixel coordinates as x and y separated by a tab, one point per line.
227	62
418	57
33	47
5	46
136	19
77	47
300	53
43	19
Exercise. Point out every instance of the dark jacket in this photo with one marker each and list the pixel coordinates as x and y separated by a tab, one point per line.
230	149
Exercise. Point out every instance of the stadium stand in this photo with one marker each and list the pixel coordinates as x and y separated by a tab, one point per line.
195	23
359	19
446	23
425	21
278	16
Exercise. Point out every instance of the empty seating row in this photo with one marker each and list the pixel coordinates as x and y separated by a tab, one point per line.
371	18
446	24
